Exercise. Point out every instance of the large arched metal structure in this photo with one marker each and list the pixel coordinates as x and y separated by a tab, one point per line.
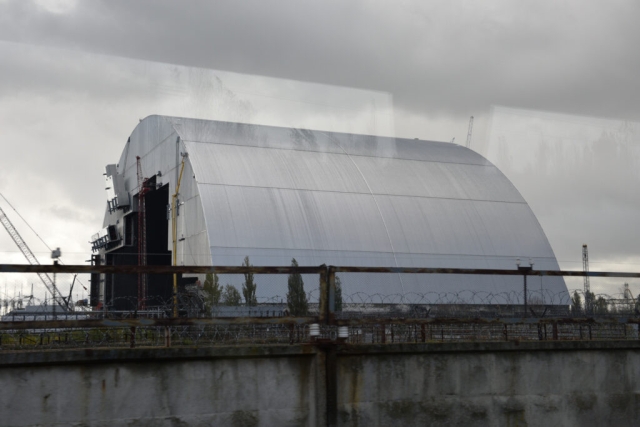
275	193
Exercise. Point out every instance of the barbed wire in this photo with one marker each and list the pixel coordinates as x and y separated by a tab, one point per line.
372	317
412	304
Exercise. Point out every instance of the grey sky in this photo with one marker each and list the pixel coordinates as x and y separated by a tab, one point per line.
447	56
75	77
580	176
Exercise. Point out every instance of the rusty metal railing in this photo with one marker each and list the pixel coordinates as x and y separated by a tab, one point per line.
100	329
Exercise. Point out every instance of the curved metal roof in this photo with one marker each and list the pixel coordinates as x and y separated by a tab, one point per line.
340	199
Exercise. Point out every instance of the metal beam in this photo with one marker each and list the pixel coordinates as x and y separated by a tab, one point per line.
196	269
155	269
289	320
485	271
480	321
144	322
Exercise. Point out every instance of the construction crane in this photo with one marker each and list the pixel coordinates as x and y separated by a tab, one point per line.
70	288
142	236
469	133
22	245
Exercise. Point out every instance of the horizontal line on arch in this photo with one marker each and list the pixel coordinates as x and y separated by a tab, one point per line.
363	193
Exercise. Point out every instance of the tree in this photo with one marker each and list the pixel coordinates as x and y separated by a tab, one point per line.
589	302
576	303
213	289
296	297
231	296
601	306
338	295
249	286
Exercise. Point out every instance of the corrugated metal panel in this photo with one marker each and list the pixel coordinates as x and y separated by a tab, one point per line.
247	217
292	169
274	168
432	179
319	141
360	200
154	140
462	227
409	149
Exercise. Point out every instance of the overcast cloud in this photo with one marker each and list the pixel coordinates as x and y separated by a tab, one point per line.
447	56
75	77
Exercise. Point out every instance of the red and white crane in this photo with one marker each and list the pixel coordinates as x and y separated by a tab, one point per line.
142	236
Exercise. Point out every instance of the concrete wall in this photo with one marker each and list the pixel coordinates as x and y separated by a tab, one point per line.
497	384
484	385
237	389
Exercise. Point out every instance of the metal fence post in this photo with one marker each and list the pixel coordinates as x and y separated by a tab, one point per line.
331	300
332	386
133	337
323	308
331	356
167	336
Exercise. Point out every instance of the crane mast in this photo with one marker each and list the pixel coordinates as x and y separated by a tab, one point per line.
22	245
469	132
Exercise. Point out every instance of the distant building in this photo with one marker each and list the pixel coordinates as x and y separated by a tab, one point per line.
274	194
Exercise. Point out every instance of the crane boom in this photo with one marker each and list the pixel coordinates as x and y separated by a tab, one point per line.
22	245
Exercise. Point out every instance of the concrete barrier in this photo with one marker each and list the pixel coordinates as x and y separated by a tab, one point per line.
187	387
465	384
